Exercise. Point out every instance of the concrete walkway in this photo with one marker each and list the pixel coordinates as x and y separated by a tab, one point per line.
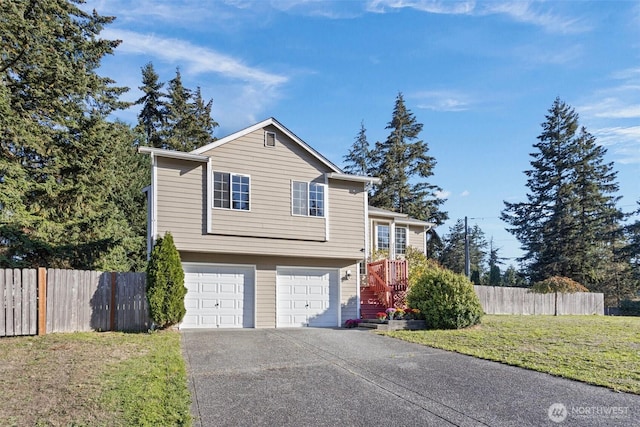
350	377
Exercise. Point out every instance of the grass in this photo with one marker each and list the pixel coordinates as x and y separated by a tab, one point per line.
598	350
94	379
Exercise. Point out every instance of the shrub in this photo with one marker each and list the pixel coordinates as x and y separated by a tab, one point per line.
629	307
558	284
165	284
418	263
445	299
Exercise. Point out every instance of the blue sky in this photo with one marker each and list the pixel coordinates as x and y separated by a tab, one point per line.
480	76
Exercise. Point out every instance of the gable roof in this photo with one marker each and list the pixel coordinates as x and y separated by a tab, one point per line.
273	122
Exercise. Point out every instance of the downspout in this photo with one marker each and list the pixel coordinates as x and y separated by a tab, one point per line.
209	196
153	226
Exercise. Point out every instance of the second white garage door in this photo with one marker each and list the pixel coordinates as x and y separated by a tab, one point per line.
308	297
219	296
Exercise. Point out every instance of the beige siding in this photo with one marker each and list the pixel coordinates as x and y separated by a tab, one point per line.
269	228
272	169
266	280
417	237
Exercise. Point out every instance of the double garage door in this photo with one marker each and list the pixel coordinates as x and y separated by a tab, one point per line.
224	296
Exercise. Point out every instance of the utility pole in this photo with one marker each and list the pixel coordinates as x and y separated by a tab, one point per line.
467	261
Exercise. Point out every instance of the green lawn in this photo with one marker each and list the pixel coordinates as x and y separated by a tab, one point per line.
595	349
96	379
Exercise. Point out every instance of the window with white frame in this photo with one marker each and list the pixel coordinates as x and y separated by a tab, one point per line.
401	240
382	237
269	139
231	191
307	198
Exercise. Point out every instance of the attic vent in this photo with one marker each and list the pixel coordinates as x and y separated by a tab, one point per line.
269	139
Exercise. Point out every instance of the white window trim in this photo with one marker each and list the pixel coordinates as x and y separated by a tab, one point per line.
375	242
324	199
406	239
231	175
275	139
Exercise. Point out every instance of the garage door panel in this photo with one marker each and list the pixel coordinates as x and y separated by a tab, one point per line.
207	303
219	296
307	297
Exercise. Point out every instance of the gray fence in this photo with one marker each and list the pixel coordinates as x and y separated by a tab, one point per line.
43	301
18	302
506	300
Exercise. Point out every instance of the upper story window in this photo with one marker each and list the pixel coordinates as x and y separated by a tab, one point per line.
231	191
269	139
401	240
307	198
382	237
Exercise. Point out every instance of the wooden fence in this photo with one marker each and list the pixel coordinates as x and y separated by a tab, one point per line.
506	300
44	301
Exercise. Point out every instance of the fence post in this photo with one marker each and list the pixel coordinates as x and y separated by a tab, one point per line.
42	300
112	304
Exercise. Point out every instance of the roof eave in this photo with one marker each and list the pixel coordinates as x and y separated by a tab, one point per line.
180	155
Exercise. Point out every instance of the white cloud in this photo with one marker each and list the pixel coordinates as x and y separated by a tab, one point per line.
196	59
442	194
623	142
465	193
430	6
443	100
526	12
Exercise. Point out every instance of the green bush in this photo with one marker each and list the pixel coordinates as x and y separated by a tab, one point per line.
165	284
629	308
445	299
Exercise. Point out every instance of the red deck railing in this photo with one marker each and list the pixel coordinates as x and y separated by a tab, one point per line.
387	277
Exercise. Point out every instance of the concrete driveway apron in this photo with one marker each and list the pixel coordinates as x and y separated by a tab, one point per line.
350	377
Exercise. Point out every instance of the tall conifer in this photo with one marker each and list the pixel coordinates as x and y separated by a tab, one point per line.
403	164
569	225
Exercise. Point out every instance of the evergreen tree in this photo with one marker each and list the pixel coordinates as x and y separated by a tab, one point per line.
567	227
453	253
188	123
61	203
358	159
401	160
512	277
205	124
151	115
495	275
165	284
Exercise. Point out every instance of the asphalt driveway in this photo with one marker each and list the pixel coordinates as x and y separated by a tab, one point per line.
350	377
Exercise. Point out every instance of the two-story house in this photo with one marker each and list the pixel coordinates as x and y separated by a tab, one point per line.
270	232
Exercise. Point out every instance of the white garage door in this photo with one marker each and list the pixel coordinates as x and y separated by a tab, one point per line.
308	297
219	296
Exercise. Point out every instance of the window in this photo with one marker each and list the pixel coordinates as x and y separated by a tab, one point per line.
307	199
401	240
316	199
230	191
269	139
382	239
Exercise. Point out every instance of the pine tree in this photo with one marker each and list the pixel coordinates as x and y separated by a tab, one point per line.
60	203
453	253
495	275
165	284
151	115
567	224
188	123
358	159
401	160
